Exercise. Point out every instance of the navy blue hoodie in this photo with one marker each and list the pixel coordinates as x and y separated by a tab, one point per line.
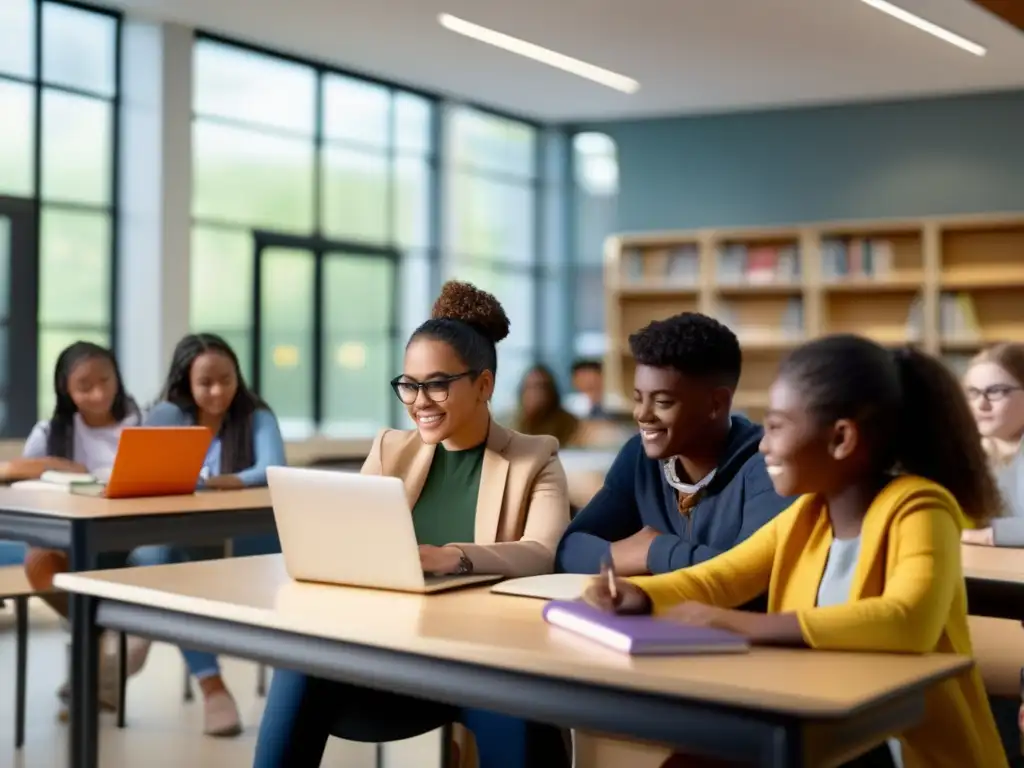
738	500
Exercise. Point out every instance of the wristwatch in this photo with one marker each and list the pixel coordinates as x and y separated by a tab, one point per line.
465	565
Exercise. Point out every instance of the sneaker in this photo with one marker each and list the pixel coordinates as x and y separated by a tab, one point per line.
220	716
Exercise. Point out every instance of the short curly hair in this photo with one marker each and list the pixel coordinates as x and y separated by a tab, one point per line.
691	343
471	321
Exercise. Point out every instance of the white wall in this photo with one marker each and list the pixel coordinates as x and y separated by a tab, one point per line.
156	189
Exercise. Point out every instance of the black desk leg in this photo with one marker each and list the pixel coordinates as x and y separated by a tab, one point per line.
85	669
786	749
21	610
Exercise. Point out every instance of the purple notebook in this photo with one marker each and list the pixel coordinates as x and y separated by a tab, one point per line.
640	635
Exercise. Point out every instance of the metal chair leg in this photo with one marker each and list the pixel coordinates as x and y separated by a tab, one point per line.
122	677
447	737
21	610
261	681
189	696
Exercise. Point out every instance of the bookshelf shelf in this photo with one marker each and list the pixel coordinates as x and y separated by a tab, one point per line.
949	285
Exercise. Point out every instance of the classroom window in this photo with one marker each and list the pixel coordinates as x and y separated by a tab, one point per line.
596	181
491	224
286	149
73	200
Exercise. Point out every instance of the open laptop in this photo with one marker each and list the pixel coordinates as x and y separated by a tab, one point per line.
351	529
153	461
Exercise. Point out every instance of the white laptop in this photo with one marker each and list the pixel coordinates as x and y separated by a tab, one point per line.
345	528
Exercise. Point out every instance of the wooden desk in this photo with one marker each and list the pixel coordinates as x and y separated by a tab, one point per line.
775	707
995	581
85	526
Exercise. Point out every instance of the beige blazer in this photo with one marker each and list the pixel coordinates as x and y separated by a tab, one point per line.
522	508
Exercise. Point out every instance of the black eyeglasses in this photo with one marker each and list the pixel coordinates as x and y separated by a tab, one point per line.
993	394
436	390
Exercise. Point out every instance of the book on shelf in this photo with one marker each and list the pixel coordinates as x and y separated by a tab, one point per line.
633	263
681	266
856	257
758	265
789	327
958	318
915	320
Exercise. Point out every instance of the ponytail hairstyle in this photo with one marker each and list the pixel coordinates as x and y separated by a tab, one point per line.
909	407
60	439
471	322
236	433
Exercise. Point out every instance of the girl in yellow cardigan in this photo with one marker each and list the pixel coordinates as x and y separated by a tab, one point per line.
888	459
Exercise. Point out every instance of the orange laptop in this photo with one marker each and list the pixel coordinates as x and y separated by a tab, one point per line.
154	461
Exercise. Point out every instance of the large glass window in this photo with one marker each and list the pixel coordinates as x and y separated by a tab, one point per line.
596	168
298	150
57	114
491	227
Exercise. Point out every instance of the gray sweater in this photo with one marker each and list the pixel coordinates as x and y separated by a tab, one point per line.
1008	531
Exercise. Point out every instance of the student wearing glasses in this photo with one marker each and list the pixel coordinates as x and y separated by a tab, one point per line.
485	499
994	383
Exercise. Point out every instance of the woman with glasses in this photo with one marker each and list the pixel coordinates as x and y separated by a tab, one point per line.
994	383
485	499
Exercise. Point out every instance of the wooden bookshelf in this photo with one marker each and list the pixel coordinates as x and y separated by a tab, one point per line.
949	285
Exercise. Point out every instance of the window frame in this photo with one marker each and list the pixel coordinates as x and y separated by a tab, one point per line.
23	388
434	155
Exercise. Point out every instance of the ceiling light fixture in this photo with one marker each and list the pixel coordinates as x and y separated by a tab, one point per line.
926	26
538	53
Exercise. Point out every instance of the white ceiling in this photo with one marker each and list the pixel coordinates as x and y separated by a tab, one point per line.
690	56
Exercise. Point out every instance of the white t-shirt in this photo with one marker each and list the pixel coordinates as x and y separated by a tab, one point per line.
93	447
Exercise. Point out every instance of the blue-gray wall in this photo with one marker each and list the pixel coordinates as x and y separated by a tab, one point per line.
911	158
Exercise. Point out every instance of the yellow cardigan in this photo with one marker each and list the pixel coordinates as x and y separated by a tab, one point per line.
908	596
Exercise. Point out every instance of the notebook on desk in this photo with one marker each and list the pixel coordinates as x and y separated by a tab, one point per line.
640	635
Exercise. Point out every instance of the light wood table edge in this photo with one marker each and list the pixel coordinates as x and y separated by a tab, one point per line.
729	695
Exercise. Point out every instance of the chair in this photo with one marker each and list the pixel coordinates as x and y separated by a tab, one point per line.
14	585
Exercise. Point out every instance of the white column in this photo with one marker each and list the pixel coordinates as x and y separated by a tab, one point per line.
156	190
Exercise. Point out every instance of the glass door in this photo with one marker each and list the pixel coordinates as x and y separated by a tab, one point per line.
358	313
325	325
18	310
285	365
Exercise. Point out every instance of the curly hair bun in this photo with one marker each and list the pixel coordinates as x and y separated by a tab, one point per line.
466	302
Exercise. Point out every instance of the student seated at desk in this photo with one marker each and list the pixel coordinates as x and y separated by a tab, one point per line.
540	408
885	452
91	407
994	383
692	484
484	499
205	386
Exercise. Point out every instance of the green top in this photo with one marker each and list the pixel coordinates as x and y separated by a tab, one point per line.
446	509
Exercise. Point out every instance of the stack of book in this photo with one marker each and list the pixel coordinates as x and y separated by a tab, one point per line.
856	257
958	319
790	327
679	266
740	264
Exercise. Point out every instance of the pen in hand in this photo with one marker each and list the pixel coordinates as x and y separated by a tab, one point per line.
608	569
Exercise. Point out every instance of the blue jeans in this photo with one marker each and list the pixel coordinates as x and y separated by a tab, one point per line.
303	711
200	663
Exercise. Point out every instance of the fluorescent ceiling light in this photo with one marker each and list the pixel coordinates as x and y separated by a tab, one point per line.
537	53
926	26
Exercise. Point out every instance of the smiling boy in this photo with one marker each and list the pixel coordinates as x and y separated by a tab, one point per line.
691	484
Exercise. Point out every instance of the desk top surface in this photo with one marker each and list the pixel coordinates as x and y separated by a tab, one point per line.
64	505
477	627
1003	564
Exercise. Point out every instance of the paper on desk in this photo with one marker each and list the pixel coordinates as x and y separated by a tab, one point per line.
551	586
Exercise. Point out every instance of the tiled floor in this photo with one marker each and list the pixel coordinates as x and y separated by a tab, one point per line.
162	730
